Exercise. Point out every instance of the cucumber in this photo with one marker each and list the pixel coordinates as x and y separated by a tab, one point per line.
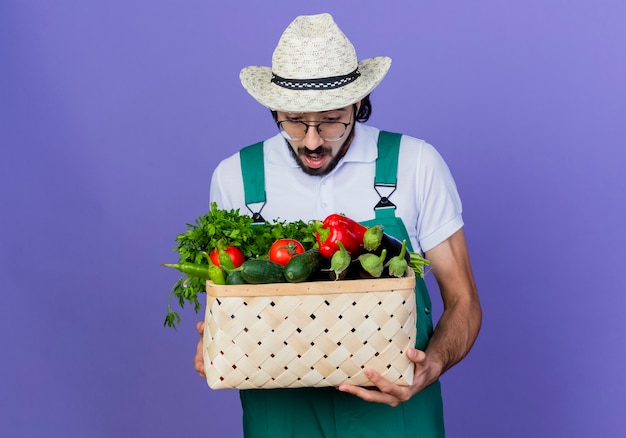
302	266
235	277
261	271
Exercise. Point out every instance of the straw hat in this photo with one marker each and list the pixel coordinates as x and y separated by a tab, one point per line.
314	68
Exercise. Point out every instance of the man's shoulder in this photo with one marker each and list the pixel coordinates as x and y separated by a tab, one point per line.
412	149
235	155
408	139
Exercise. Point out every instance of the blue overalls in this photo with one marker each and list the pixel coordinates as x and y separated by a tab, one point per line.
327	412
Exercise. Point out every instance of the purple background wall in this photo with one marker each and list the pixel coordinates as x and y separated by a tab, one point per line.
113	115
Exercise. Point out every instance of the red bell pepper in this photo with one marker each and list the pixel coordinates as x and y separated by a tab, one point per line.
337	227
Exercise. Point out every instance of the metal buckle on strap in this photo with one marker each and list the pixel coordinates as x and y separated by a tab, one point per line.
256	216
384	200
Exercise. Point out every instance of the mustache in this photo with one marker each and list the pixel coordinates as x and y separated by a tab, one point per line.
320	150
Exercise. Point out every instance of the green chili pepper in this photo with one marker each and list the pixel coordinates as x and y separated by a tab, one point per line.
206	272
225	260
216	272
192	269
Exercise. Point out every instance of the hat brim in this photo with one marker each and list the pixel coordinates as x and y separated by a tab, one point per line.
257	81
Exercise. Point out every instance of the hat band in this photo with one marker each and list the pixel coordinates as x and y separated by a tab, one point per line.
316	84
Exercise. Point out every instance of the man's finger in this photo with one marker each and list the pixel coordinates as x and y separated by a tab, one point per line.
200	327
415	355
397	392
198	360
369	395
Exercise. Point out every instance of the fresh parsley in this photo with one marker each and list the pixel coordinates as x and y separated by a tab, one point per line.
227	227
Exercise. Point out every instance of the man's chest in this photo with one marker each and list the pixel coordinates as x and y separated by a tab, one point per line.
293	195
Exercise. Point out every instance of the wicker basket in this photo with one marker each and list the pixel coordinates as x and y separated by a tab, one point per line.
309	334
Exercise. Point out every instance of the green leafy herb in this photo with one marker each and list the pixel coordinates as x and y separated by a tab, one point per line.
218	225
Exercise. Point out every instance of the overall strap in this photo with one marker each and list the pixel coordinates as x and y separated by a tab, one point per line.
387	170
387	162
386	173
386	179
253	175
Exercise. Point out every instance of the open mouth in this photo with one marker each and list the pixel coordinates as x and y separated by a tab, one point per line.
314	159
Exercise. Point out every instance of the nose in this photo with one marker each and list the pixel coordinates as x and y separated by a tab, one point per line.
312	139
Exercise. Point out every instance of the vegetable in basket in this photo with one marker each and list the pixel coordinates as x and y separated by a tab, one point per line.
227	256
262	271
284	249
373	237
337	227
372	263
303	266
397	265
340	262
218	227
414	260
206	272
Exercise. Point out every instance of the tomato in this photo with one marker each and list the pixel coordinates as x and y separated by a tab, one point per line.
283	250
234	253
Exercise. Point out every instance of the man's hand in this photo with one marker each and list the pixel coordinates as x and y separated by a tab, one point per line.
198	360
454	334
426	372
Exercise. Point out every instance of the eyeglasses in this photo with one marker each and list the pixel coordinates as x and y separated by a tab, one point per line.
296	129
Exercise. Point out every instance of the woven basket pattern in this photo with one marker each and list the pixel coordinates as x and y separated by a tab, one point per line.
288	341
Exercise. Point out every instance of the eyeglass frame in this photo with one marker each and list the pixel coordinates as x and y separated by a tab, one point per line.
307	126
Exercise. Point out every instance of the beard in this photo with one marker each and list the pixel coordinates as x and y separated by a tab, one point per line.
321	150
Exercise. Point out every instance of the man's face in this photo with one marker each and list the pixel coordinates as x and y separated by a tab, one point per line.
314	154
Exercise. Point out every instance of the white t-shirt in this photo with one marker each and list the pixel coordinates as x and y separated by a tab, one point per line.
426	196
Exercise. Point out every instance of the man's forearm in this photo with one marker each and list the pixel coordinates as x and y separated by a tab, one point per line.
455	333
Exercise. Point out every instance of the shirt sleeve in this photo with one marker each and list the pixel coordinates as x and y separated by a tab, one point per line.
440	208
227	185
